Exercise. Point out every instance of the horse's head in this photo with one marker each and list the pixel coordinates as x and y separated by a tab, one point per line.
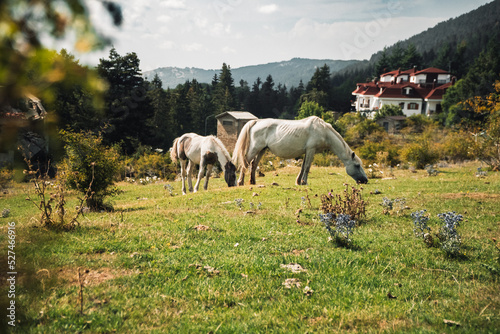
230	174
354	168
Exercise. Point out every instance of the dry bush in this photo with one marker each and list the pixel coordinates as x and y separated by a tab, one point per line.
349	202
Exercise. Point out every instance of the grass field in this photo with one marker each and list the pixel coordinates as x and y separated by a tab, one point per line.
149	267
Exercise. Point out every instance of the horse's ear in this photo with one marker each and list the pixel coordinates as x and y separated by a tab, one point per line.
353	155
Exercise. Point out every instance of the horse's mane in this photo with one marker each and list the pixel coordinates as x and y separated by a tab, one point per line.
328	126
221	146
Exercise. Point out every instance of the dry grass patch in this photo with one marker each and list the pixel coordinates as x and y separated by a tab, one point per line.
475	196
92	277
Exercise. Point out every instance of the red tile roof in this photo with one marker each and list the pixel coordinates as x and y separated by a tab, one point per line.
438	92
432	70
413	71
391	73
396	91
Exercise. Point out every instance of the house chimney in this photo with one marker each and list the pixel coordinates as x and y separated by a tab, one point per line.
414	68
434	84
453	79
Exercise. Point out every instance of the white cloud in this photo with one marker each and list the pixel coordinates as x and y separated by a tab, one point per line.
153	36
217	29
193	47
229	50
353	40
173	4
268	9
167	45
164	18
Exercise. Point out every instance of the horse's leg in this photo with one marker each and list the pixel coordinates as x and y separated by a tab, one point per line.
183	176
190	168
241	179
306	166
209	171
200	174
254	164
299	177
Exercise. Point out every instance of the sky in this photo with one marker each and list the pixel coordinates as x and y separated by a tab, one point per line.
208	33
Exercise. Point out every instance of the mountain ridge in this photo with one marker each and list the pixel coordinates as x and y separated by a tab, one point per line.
286	72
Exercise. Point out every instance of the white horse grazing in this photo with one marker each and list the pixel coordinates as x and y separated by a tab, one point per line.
203	151
291	139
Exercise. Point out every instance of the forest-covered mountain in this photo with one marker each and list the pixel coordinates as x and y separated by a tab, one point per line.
287	73
452	44
472	30
468	46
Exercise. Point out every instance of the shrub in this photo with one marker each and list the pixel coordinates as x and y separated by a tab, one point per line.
347	121
420	228
388	110
310	108
50	200
368	152
486	146
6	176
366	129
420	154
339	226
90	164
431	171
327	159
448	234
417	123
448	238
5	213
397	204
152	164
487	142
351	203
457	146
382	152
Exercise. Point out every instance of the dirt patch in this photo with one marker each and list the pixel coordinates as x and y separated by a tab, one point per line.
298	252
293	267
91	277
475	196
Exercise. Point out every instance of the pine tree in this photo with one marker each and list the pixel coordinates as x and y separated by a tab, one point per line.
268	98
223	91
412	58
397	56
320	80
383	65
127	105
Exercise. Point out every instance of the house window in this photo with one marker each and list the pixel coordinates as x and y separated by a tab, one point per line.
402	105
413	106
228	123
386	126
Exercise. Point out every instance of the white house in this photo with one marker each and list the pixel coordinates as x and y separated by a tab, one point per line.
416	92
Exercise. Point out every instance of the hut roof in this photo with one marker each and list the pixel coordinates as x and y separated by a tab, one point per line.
237	115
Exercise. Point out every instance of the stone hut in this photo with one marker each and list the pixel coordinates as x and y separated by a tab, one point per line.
229	125
391	124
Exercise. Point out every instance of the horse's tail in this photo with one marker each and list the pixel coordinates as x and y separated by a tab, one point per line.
242	145
174	155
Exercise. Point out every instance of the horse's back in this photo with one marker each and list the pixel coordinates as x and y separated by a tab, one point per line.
284	138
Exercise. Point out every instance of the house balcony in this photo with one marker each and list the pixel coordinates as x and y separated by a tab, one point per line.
438	82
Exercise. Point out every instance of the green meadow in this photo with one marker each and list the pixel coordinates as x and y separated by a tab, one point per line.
257	259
